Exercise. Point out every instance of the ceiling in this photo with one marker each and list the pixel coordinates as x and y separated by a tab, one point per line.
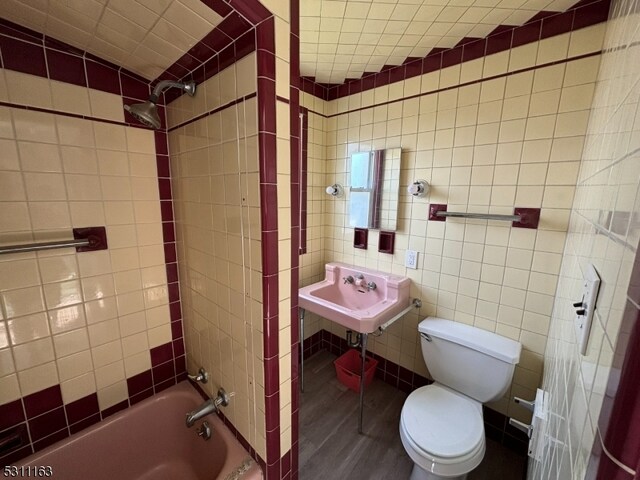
345	39
144	36
339	39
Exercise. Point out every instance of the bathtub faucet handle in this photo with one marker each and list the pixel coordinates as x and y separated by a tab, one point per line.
204	431
223	398
202	376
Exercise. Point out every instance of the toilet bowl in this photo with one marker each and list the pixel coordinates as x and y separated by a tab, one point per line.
441	425
443	433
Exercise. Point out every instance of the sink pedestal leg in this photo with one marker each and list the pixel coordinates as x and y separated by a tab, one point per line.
363	355
301	350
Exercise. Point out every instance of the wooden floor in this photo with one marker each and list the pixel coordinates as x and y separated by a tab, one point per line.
331	449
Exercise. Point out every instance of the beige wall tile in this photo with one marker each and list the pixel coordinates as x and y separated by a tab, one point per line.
27	89
106	105
78	387
59	180
38	378
27	329
485	147
70	98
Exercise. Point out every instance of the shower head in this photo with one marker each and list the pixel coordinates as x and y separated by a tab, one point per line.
147	113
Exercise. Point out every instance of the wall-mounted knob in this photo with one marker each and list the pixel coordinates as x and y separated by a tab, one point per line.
335	190
419	188
202	376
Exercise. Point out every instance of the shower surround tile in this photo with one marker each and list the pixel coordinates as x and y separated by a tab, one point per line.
229	197
73	315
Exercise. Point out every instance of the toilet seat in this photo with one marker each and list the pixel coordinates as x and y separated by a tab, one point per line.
442	430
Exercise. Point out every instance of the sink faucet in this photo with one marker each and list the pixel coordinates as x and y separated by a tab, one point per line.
210	406
371	286
348	280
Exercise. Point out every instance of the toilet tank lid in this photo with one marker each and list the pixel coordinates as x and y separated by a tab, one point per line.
483	341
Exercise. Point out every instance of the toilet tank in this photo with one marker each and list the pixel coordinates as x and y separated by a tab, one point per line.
472	361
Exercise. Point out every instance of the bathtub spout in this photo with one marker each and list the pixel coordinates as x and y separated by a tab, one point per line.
210	406
205	409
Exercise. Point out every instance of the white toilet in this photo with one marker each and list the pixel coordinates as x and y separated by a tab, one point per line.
441	424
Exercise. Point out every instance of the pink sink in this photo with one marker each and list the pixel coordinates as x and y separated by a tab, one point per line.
355	306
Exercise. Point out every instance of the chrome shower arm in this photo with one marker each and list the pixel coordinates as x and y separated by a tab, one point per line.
189	87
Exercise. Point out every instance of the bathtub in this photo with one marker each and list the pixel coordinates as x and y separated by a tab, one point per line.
150	441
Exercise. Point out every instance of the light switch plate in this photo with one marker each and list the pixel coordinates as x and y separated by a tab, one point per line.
411	259
590	287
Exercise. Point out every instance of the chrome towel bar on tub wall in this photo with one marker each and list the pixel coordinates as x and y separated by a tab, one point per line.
86	239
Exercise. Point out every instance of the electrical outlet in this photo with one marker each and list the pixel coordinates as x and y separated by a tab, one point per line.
411	259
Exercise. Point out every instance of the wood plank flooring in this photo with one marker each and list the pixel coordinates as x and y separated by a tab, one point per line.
331	449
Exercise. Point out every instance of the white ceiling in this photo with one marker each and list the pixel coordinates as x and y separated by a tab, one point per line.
144	36
344	39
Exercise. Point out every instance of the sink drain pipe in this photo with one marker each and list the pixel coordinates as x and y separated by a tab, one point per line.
350	341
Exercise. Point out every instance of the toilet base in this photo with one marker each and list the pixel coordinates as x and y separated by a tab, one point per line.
419	473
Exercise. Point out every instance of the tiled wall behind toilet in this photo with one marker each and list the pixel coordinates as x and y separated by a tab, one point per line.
214	161
489	134
604	231
86	321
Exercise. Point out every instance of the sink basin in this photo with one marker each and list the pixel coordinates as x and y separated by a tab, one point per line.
355	306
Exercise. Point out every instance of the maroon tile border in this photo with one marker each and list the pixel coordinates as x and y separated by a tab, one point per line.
619	420
64	114
173	352
607	469
48	420
213	111
298	152
461	85
223	43
543	25
64	63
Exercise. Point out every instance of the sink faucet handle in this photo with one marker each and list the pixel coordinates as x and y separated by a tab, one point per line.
359	276
348	280
202	376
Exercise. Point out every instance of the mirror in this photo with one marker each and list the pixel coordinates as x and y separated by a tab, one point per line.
374	189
